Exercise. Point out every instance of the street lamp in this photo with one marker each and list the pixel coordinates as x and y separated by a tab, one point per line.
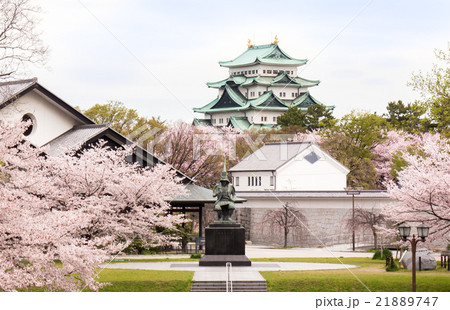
353	191
422	233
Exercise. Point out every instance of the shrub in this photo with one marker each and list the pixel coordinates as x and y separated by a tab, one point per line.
393	267
386	252
196	255
378	255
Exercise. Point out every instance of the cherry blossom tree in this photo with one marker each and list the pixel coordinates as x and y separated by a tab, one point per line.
423	189
284	219
368	218
20	41
389	160
61	217
197	151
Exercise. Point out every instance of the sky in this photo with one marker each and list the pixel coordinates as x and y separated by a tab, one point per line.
157	56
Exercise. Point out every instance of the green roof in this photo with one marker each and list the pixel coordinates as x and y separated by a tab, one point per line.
237	79
270	54
242	123
281	79
233	100
284	79
305	100
201	122
268	100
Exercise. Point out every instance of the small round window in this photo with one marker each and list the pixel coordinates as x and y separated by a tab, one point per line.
29	118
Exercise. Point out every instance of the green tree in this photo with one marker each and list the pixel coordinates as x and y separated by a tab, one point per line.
315	117
351	141
434	87
126	121
409	118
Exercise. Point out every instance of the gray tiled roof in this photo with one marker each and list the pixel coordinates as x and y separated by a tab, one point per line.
9	89
73	138
271	156
199	194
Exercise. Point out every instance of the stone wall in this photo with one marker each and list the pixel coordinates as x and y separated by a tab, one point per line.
320	227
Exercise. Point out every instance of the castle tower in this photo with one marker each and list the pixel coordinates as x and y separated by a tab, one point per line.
262	84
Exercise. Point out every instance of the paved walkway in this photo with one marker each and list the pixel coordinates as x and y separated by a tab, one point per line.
254	251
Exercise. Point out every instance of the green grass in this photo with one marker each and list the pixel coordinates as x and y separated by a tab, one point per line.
129	280
371	273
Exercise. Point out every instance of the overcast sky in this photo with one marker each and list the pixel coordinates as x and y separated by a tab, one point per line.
156	56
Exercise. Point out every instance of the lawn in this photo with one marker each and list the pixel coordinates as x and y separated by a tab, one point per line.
371	273
129	280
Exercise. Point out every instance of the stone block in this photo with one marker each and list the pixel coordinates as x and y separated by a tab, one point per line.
427	258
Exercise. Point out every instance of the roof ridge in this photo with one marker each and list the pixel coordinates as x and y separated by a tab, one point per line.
34	80
262	46
90	126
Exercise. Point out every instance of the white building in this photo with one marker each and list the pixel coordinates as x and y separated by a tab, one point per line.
289	167
303	176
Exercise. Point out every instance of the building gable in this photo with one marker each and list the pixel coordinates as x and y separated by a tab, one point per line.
312	169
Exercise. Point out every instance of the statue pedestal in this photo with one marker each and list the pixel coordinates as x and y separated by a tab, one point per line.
225	243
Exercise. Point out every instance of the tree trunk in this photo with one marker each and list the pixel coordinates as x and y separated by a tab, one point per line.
286	231
375	241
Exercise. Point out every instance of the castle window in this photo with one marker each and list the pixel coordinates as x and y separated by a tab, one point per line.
259	181
248	181
29	118
236	181
253	71
269	71
275	119
259	93
293	94
264	71
271	180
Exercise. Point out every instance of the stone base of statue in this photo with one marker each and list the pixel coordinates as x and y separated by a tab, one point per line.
225	242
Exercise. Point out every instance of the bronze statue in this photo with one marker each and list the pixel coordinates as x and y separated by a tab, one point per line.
226	194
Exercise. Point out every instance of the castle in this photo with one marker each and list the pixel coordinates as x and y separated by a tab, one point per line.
263	83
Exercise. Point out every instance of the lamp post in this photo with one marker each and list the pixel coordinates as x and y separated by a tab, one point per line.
353	191
422	233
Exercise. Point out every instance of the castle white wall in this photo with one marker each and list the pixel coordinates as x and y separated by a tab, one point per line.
224	116
50	120
269	117
288	92
255	91
263	70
